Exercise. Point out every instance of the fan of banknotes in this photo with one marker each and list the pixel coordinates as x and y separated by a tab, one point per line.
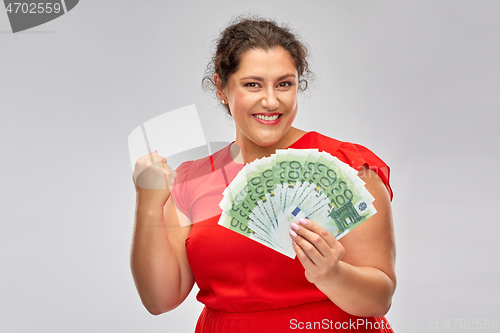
270	193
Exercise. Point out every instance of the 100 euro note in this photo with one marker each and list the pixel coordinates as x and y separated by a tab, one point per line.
333	201
260	201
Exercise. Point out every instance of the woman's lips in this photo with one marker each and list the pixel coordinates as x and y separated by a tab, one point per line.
267	118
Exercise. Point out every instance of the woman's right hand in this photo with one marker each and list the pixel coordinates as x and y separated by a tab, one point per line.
153	179
158	257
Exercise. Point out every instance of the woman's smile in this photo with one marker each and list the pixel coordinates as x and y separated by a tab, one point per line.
268	119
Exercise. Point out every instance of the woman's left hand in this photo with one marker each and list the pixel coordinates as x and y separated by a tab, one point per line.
318	251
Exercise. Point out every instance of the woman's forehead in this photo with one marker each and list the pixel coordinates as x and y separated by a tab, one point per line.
275	62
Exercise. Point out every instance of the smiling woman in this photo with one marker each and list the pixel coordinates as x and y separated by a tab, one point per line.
257	71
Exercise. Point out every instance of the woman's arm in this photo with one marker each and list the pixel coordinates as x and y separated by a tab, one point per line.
158	258
364	281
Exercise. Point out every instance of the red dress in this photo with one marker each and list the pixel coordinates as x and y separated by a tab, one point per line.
245	286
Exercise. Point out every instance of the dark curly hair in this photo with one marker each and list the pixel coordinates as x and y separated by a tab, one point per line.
244	34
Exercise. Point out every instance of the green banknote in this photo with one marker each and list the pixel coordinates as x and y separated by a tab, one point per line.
261	200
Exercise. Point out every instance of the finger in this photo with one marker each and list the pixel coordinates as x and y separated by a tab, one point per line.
304	259
309	249
316	240
165	174
157	157
313	227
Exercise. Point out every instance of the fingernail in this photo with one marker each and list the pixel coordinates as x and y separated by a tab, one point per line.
294	226
302	221
293	233
293	242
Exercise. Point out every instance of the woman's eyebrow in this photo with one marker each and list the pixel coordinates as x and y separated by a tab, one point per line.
258	78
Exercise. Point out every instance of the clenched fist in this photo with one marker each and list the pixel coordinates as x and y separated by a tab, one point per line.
151	172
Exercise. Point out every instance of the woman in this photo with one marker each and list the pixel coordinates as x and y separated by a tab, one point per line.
347	285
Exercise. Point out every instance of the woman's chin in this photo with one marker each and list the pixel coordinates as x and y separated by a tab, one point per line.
268	140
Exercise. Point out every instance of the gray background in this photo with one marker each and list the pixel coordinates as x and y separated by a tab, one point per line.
415	81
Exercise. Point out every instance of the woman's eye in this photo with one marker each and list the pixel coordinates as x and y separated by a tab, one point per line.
285	84
252	85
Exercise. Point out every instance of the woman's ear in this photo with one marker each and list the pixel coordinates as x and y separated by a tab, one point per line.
220	87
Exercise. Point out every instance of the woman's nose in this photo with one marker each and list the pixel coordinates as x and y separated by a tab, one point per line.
269	100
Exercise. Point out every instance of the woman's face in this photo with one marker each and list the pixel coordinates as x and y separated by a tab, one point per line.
262	97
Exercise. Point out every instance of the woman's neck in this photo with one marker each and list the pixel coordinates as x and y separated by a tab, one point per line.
246	151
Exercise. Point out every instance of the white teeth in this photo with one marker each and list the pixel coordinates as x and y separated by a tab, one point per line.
258	116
